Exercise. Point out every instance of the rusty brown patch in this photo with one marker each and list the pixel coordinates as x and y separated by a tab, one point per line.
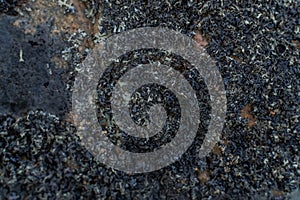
203	176
17	23
273	112
199	38
296	43
278	193
217	150
60	62
246	114
71	118
238	59
42	12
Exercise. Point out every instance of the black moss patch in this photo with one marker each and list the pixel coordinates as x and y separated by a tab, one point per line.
28	78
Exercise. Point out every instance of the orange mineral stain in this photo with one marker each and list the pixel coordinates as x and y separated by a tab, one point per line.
246	114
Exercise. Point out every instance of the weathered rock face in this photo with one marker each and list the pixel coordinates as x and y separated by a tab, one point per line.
255	46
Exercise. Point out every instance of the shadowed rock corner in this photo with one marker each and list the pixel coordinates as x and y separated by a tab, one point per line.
34	72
